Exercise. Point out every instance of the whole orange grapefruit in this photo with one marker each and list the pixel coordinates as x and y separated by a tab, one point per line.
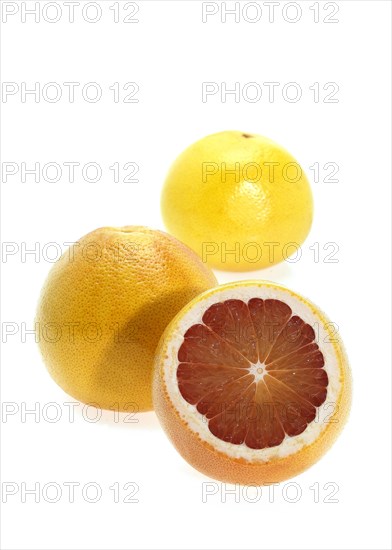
103	309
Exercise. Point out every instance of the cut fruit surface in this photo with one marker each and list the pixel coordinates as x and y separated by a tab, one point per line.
251	380
253	370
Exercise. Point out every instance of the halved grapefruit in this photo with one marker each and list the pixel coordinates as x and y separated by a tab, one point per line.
251	383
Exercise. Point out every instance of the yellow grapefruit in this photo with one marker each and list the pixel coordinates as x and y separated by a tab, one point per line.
240	200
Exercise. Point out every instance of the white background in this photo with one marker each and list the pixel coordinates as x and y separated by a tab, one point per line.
169	53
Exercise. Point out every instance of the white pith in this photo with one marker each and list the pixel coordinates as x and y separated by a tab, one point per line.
199	424
258	370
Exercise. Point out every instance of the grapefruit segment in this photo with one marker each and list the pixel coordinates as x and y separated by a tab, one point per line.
294	412
268	317
308	356
201	345
267	431
294	335
228	320
230	423
196	379
311	384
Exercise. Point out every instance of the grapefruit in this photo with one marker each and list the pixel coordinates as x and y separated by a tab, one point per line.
240	200
251	383
104	307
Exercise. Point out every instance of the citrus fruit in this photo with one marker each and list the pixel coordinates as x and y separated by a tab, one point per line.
104	307
251	383
241	201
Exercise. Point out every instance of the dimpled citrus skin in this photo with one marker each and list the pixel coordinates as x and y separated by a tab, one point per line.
104	306
216	212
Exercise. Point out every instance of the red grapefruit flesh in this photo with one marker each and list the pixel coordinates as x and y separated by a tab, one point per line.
254	371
